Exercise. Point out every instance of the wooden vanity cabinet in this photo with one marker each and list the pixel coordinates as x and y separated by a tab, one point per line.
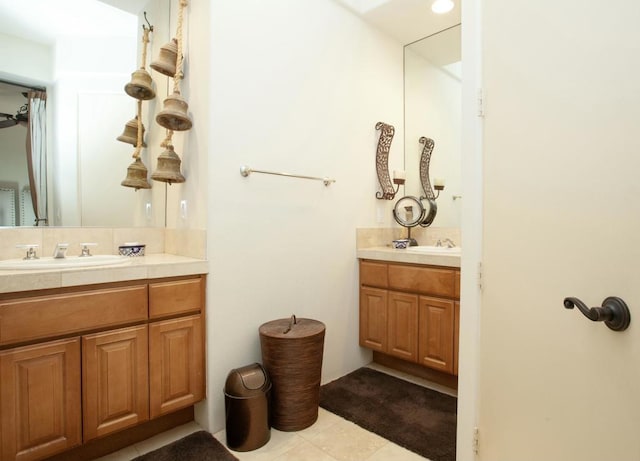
124	354
176	364
40	409
402	325
373	318
176	346
115	380
411	312
436	328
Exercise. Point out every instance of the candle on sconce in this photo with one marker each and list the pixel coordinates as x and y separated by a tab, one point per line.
438	182
399	177
399	174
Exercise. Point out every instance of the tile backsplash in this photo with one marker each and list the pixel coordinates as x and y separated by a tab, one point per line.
183	242
382	236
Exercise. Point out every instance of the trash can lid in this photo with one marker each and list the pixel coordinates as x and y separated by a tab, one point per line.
247	381
291	328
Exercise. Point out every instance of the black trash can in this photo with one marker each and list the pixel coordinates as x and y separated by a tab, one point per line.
246	401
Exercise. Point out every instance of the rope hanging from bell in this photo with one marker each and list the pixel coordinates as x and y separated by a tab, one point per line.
141	84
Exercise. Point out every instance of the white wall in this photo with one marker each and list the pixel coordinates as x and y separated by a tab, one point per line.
296	87
25	61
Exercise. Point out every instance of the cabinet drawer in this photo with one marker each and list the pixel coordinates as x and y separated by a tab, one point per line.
175	297
373	274
45	316
423	280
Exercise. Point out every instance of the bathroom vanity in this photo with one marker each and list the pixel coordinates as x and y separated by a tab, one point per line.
409	311
107	349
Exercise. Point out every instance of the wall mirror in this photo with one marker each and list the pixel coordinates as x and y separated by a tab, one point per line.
432	104
83	66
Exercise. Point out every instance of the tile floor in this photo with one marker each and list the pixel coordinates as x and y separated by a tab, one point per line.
331	438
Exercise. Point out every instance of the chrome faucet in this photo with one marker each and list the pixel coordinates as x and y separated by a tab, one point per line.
85	249
448	241
31	251
60	251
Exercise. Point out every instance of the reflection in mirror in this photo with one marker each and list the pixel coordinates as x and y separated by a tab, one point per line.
432	80
410	211
15	195
84	67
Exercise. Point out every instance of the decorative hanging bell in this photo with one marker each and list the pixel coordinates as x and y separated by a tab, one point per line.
130	133
140	86
136	176
167	59
168	167
174	115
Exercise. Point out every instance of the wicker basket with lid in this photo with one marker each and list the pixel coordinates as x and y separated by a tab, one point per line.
292	355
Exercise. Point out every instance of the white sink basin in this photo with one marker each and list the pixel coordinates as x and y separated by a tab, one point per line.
435	250
69	262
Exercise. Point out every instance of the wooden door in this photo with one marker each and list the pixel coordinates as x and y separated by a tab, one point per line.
561	219
115	379
373	318
436	332
402	329
40	400
176	364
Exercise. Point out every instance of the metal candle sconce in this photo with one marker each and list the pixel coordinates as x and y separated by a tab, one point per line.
382	163
429	195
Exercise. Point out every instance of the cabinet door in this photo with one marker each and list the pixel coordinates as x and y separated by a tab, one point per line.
115	392
456	336
402	328
176	364
435	343
40	400
373	318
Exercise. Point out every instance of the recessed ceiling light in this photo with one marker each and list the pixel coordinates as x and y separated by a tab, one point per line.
442	6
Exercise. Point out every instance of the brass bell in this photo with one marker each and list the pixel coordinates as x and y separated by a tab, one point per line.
168	167
167	59
130	133
136	176
174	115
140	86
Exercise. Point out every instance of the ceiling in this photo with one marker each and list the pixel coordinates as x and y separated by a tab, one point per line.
404	20
43	21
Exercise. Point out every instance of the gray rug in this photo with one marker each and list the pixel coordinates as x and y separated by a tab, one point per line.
199	446
416	418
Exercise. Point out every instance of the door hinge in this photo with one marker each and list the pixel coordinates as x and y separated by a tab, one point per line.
480	281
480	102
475	440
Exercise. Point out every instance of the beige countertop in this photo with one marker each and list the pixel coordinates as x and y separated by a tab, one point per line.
138	268
407	256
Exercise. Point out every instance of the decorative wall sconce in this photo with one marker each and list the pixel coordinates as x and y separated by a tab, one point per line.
382	164
438	184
